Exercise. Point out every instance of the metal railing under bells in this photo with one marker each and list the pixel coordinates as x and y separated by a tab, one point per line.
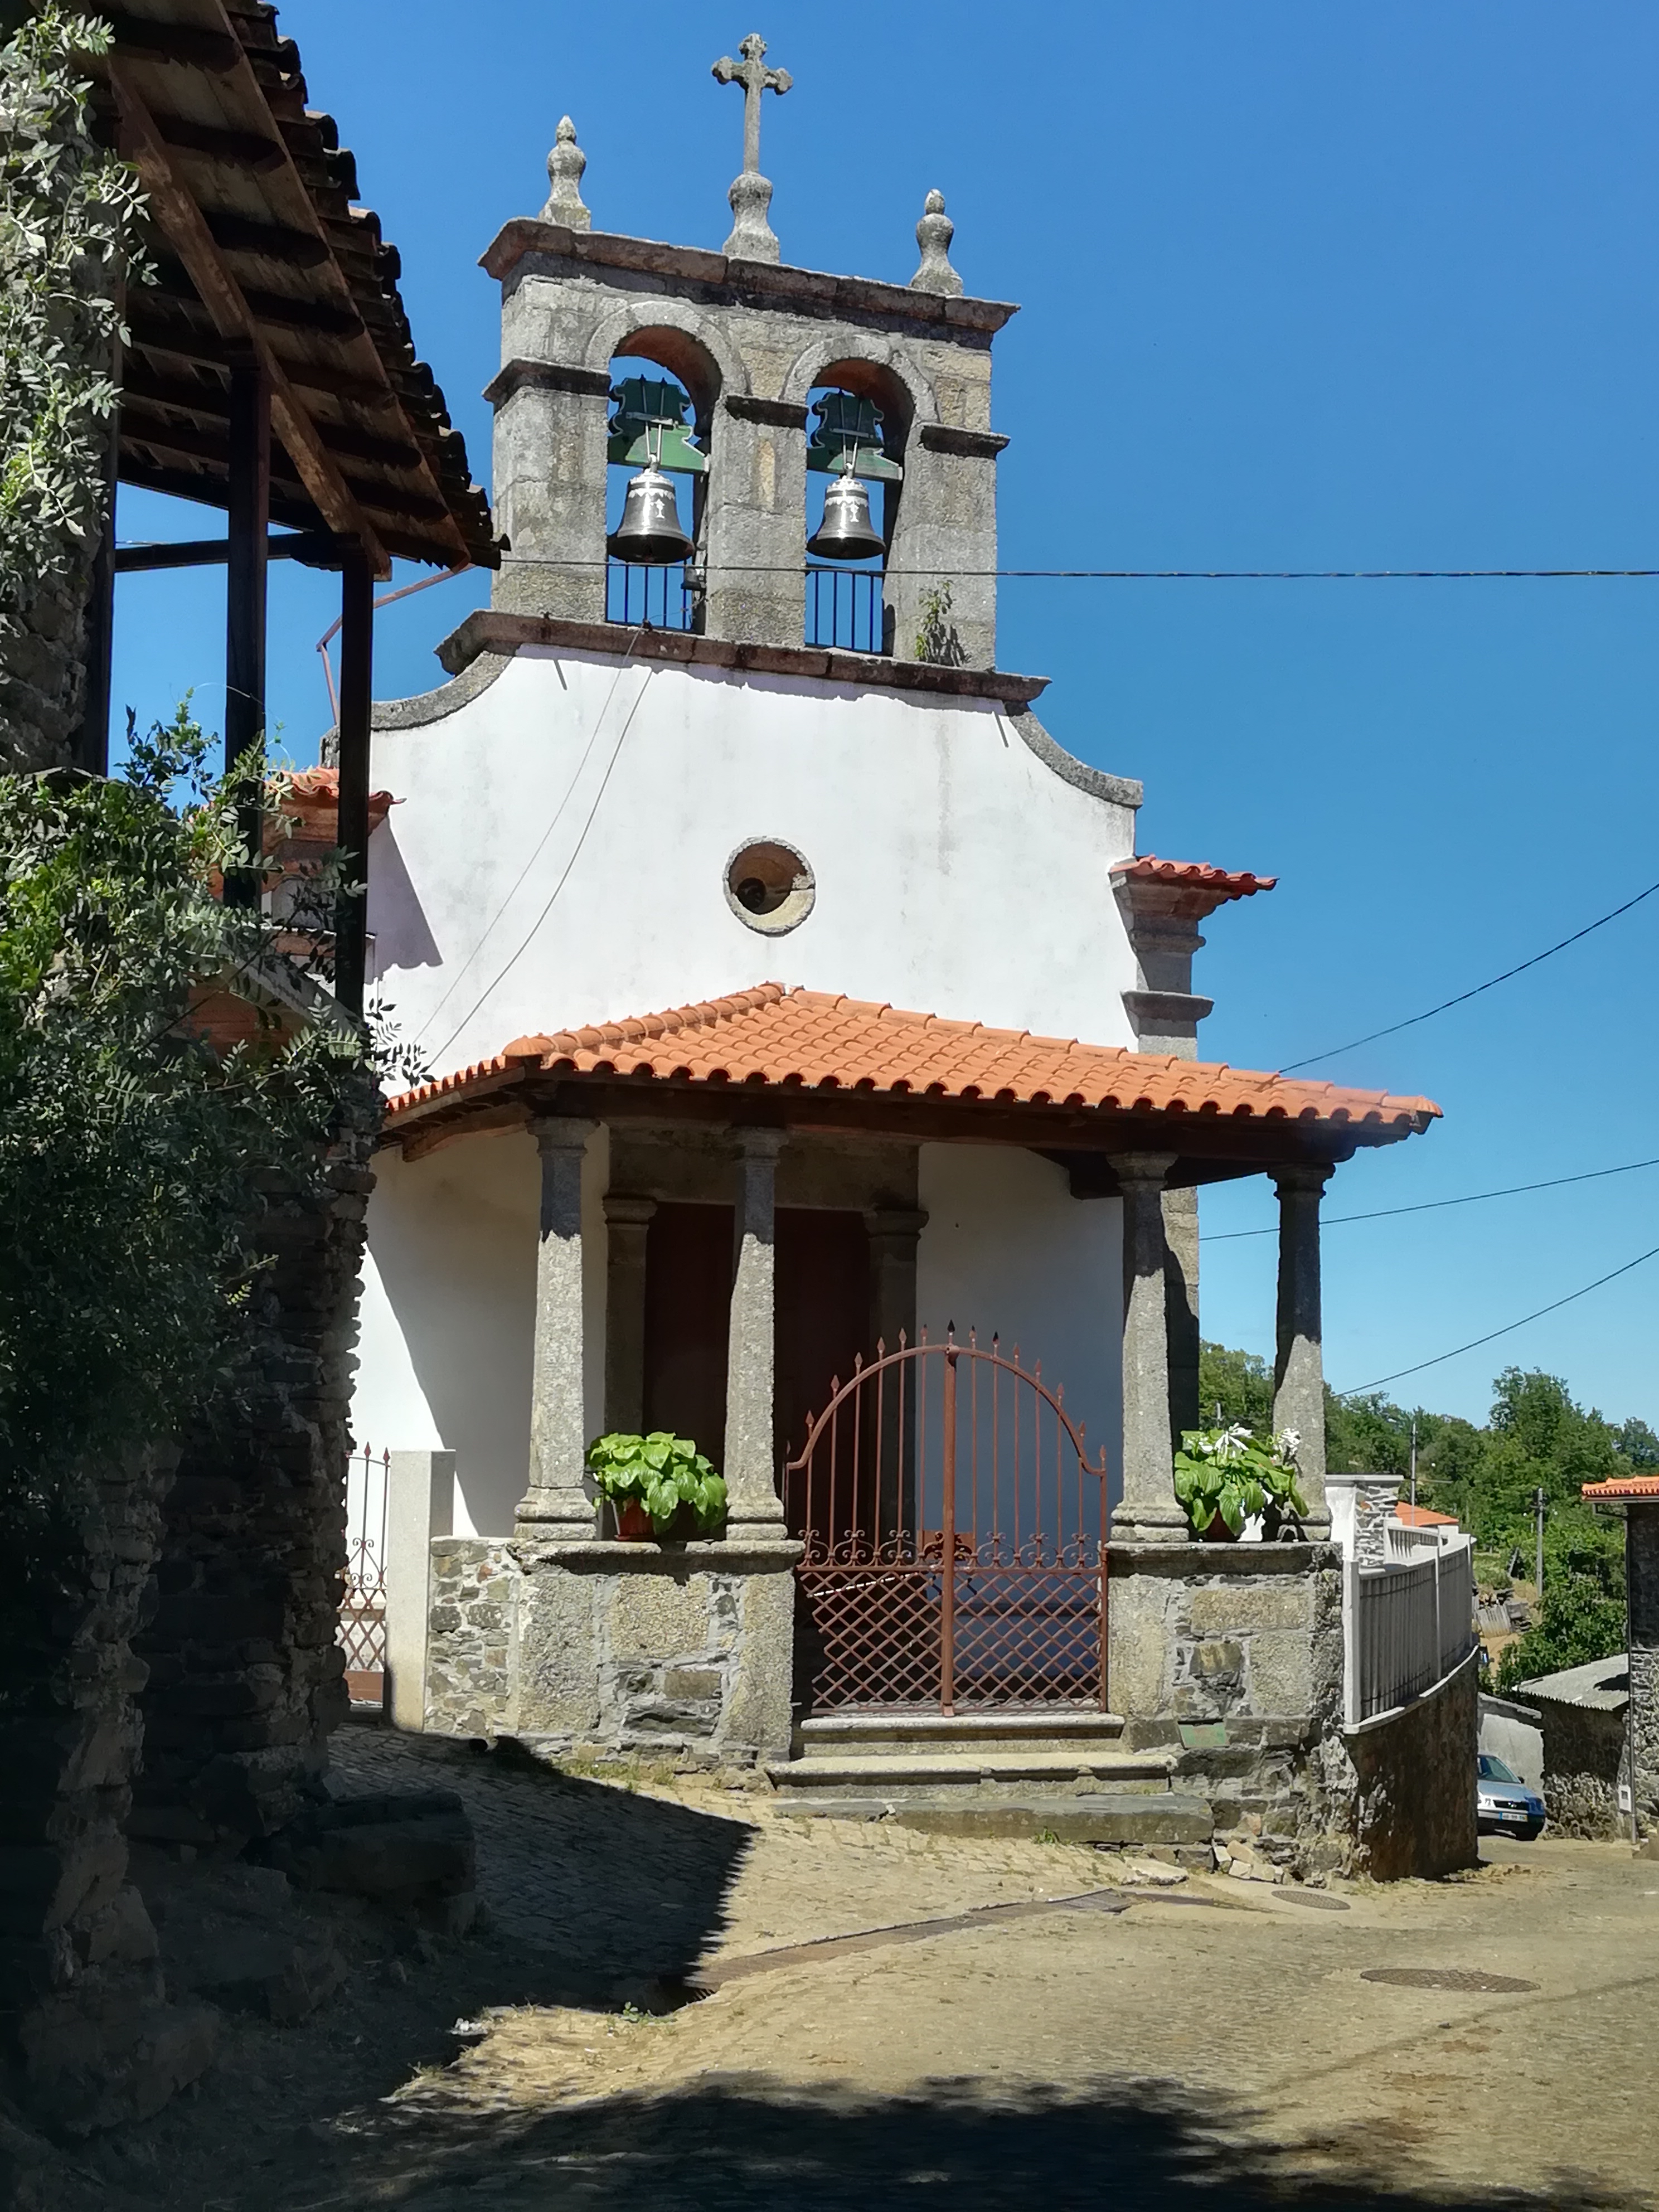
845	608
654	598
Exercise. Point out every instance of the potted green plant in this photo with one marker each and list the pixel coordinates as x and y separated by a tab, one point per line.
658	1484
1225	1476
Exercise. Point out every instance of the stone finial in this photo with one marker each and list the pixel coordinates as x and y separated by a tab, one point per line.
752	237
934	235
565	165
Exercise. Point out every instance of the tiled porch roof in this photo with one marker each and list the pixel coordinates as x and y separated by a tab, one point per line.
1625	1486
796	1041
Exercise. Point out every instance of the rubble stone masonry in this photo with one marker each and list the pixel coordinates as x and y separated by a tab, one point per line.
245	1674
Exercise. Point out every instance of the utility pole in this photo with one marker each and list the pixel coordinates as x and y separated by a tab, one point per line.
1538	1510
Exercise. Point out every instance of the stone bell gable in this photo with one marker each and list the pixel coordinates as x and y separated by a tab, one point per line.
749	340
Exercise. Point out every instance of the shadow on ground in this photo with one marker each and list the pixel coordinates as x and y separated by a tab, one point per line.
736	2141
607	1895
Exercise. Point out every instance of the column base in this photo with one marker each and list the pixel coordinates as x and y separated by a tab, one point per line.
1150	1524
554	1516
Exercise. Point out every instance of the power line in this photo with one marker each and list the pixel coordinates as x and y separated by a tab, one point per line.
1434	1205
1440	1358
1394	1028
1157	576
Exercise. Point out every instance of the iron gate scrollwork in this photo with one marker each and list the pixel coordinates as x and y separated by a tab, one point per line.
954	1535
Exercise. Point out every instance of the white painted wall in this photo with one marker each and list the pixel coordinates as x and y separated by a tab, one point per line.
560	852
444	1356
1007	1248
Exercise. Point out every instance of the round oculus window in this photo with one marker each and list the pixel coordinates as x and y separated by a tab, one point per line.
769	886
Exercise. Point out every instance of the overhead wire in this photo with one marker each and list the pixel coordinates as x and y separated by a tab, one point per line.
535	852
506	970
1463	997
1164	575
1434	1205
1358	1390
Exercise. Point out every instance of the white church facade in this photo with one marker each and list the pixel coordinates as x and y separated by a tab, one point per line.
789	997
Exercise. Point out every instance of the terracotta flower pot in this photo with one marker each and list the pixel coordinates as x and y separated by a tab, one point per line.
1217	1533
634	1523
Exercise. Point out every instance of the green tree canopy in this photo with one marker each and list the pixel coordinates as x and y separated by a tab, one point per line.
135	1157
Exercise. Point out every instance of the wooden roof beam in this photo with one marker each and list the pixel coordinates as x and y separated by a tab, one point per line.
187	230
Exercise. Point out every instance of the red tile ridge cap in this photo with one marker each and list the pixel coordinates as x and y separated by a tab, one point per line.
1198	875
1623	1485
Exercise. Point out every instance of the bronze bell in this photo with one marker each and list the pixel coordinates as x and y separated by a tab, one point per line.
649	533
846	532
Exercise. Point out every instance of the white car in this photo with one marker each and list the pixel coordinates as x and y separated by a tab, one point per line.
1504	1804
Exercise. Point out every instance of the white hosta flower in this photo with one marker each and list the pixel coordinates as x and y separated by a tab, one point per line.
1287	1443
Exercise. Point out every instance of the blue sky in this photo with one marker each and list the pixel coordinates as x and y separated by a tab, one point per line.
1301	286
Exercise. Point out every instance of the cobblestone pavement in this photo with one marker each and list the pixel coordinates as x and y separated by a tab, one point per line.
1217	2054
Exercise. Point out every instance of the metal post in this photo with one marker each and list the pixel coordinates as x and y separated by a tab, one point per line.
356	697
1537	1577
249	521
947	1641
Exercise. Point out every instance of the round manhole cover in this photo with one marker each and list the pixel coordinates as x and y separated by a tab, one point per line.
1446	1978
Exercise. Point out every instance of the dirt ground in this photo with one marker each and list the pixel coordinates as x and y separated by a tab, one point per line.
1213	2044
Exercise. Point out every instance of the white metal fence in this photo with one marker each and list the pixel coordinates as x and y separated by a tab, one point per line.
1406	1625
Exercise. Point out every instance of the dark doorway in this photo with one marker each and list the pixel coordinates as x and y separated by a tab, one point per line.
822	1309
687	1301
823	1292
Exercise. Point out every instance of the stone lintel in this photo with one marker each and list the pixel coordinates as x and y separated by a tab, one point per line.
707	1555
492	629
734	280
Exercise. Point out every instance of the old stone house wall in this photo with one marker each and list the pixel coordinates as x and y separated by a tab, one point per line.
1583	1756
87	2037
43	675
245	1672
1411	1802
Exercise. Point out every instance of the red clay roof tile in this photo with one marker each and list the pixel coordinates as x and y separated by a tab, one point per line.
1623	1485
798	1040
1195	875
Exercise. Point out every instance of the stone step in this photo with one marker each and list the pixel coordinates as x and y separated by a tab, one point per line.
968	1768
1102	1816
888	1734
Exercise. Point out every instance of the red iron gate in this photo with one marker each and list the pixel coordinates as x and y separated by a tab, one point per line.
954	1533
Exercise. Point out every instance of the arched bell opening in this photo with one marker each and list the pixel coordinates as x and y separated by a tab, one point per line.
858	420
657	480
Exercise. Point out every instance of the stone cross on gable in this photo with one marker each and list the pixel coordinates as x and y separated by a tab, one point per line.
752	237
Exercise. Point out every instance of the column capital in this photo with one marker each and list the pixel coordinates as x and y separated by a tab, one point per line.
561	1133
1311	1176
623	1211
904	1223
1143	1170
758	1144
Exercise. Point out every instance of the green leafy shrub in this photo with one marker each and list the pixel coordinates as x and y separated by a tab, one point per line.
664	1473
1226	1471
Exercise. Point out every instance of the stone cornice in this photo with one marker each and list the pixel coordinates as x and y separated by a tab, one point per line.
492	629
777	414
749	283
545	376
973	445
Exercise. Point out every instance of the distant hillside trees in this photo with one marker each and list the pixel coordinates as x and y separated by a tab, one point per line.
1536	1437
